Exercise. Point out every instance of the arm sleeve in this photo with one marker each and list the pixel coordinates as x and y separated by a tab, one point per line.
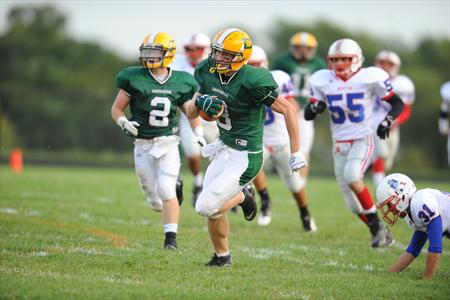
192	88
262	88
396	103
434	229
416	244
123	83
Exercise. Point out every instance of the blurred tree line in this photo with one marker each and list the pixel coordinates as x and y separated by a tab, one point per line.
56	92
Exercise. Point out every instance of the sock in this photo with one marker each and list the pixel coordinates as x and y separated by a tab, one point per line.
171	227
304	211
264	194
378	165
223	254
198	179
364	218
373	222
366	200
377	177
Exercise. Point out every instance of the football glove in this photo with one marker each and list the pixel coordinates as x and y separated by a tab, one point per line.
297	161
318	107
384	127
129	127
209	104
198	131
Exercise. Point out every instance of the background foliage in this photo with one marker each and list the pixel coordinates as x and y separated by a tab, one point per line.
56	92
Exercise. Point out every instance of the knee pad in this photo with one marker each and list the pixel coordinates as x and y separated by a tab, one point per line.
295	182
166	185
205	204
352	171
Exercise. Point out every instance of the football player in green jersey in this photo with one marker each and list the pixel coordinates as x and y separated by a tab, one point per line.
244	92
301	61
154	92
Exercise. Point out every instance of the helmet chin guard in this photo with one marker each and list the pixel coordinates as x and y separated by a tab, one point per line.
394	194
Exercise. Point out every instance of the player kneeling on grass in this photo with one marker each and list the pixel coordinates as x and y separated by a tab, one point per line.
426	211
154	92
348	90
276	149
243	92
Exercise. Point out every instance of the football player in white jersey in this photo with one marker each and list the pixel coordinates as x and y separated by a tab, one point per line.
195	50
385	150
426	211
276	148
443	117
348	91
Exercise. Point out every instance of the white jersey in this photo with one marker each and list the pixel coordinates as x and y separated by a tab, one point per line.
350	103
275	131
445	95
181	63
426	205
404	88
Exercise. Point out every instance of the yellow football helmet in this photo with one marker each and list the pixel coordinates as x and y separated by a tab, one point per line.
303	45
157	50
231	42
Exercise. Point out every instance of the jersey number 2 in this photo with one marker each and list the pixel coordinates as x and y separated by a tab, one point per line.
338	115
159	117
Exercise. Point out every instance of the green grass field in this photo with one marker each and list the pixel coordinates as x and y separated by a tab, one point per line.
69	233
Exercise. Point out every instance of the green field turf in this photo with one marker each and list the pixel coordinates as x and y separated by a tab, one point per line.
69	233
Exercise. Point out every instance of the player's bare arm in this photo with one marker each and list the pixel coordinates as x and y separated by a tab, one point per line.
402	263
189	108
431	264
288	110
118	114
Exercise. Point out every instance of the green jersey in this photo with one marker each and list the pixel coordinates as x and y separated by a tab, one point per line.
245	97
300	73
154	103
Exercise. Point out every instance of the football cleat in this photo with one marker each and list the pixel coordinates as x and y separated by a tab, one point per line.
170	243
195	193
309	225
379	237
219	261
389	239
179	190
249	207
265	217
155	205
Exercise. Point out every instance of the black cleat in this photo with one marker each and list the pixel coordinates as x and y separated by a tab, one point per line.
195	193
222	261
249	205
179	190
265	217
309	225
170	243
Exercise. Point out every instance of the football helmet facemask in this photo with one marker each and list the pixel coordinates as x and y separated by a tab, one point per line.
230	50
394	194
345	58
157	50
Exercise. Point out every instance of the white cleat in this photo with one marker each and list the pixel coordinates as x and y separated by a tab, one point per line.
155	205
312	223
264	220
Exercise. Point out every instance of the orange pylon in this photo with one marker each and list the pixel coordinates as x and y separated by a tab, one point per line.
16	160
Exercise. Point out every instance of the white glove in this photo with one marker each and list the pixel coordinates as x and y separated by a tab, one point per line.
198	131
128	127
297	161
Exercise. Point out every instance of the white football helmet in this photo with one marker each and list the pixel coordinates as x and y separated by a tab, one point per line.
199	40
394	195
345	58
197	48
388	61
258	58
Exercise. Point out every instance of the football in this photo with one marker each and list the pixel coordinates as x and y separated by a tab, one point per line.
206	117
